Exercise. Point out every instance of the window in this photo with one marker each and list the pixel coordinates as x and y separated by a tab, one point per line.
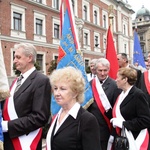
96	13
124	29
104	21
56	31
96	41
125	48
104	42
39	1
39	61
85	12
86	61
85	38
95	17
17	19
141	38
125	26
39	26
56	4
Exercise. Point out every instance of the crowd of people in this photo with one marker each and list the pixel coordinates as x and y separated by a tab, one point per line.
117	104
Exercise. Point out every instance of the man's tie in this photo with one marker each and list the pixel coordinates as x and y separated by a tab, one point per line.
18	83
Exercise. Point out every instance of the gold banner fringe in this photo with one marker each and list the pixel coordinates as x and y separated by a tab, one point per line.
88	103
4	95
1	145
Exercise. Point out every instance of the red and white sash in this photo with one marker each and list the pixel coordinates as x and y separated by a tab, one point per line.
147	82
24	142
101	99
142	141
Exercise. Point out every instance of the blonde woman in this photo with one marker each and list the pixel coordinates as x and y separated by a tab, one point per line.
73	127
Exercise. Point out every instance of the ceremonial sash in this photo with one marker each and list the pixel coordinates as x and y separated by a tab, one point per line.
142	140
101	99
147	83
24	142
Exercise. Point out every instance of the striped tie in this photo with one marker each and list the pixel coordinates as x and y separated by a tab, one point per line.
18	83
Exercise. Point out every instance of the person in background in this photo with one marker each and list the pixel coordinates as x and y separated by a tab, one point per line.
139	67
73	127
105	92
92	75
28	107
123	62
131	110
144	81
147	64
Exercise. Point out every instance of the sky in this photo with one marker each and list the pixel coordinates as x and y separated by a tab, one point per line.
137	4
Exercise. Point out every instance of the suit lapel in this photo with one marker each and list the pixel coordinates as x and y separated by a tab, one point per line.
106	84
69	121
128	97
25	85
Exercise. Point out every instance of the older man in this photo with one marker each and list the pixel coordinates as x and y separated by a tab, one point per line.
28	107
105	92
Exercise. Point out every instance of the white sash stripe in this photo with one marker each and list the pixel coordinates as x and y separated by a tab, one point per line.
102	95
25	140
48	138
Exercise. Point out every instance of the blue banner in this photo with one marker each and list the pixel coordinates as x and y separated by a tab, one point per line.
70	56
137	54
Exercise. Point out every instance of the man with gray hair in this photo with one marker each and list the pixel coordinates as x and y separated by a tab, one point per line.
28	107
92	75
105	92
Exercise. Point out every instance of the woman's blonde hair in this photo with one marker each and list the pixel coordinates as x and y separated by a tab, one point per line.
128	73
72	76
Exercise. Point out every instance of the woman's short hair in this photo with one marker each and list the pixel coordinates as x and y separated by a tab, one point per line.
70	75
28	49
129	73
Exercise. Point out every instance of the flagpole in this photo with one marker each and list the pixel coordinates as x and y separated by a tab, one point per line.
111	9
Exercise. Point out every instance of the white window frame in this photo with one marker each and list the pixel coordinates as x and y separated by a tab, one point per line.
21	10
85	3
41	16
75	8
56	21
106	14
87	47
104	44
43	2
98	13
97	49
55	6
44	61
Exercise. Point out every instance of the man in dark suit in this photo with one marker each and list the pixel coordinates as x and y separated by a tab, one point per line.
28	107
104	90
123	62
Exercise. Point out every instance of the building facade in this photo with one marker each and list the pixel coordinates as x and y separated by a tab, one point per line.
142	25
38	22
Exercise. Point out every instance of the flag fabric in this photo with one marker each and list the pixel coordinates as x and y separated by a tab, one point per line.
69	54
111	55
137	53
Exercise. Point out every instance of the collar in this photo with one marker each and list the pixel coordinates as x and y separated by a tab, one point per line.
73	111
27	73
